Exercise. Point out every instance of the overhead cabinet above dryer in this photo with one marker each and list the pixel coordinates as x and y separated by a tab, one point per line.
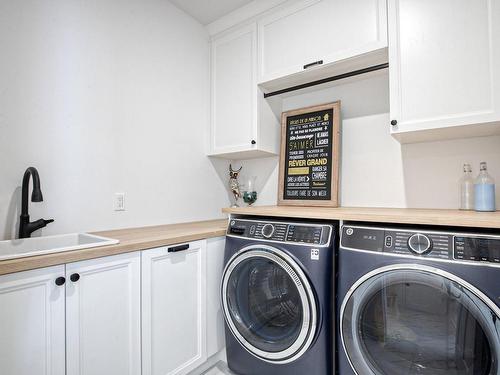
444	63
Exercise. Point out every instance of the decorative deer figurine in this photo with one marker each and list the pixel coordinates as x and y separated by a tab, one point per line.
234	185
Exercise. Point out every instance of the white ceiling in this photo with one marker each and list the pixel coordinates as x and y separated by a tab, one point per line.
207	11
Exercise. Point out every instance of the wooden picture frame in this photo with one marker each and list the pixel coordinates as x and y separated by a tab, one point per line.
302	157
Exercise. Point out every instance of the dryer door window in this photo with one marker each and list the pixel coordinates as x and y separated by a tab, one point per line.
268	304
404	320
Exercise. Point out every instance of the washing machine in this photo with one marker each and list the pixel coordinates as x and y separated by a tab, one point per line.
418	301
277	297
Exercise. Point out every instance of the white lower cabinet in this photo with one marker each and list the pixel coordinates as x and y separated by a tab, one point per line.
32	323
174	309
103	324
84	318
215	318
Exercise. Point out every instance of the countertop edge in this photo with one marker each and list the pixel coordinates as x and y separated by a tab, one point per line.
416	216
143	238
131	239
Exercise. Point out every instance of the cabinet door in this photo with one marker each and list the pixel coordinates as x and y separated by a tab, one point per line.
173	309
444	63
103	298
32	323
215	318
319	30
234	91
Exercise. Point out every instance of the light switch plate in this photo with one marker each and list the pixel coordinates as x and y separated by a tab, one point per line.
119	202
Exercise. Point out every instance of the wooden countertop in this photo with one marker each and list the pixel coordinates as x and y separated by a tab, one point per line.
133	239
383	215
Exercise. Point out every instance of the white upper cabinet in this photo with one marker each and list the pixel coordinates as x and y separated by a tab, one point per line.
32	323
174	309
323	32
242	124
103	316
233	90
444	68
295	43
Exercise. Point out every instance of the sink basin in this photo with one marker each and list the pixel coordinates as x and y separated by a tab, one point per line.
28	247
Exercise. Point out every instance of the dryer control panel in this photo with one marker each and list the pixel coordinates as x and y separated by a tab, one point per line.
427	244
298	233
433	245
477	249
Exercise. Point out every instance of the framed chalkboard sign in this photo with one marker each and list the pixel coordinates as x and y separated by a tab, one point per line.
309	158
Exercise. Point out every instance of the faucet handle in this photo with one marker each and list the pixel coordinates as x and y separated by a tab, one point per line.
48	221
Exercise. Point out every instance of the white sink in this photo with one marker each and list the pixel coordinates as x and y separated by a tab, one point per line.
28	247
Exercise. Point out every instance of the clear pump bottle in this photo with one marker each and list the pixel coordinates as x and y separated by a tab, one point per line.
484	190
467	189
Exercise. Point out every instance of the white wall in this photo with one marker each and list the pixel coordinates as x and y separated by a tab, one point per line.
376	171
105	96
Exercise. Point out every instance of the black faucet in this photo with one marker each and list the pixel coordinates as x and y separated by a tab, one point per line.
25	226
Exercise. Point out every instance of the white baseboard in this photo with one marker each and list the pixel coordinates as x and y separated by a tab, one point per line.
215	363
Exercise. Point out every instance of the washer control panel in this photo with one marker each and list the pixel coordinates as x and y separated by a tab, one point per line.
299	233
429	244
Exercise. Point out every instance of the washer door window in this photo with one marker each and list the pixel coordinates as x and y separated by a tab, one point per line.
408	320
268	304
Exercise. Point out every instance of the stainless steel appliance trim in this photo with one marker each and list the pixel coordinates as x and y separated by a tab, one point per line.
410	267
327	244
282	242
424	256
309	305
448	233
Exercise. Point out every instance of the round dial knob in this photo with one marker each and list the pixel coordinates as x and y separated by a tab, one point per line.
419	243
268	230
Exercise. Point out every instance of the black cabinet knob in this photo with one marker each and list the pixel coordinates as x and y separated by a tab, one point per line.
60	281
394	122
253	141
75	277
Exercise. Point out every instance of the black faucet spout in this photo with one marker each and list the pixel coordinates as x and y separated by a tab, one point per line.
36	195
25	226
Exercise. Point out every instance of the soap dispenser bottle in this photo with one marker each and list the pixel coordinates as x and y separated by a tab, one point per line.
484	190
467	189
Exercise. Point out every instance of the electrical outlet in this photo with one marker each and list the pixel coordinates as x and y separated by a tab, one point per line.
119	202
